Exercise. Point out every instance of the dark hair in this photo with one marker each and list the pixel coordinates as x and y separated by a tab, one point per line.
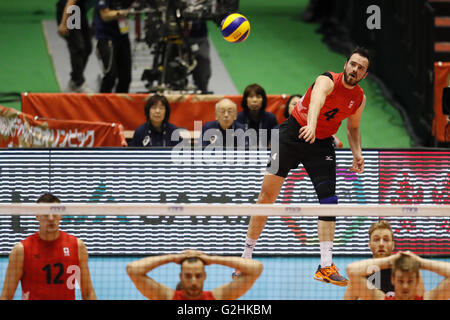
48	198
254	88
152	101
363	52
286	108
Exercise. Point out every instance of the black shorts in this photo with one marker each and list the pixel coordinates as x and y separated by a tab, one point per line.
318	158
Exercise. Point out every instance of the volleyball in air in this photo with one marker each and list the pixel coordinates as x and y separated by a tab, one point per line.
235	28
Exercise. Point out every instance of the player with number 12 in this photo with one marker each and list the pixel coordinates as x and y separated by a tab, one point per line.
48	263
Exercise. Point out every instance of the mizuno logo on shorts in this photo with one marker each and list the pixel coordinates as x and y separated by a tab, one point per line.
329	158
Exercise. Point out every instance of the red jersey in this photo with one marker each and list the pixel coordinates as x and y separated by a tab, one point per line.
339	105
50	268
206	295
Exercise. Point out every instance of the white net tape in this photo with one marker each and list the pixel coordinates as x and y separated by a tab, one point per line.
189	209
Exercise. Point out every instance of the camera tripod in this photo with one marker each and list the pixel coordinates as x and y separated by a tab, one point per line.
173	58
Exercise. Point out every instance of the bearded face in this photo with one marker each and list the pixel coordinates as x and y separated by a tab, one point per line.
355	69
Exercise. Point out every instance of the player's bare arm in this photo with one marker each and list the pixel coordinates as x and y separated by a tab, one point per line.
358	272
354	138
442	290
13	272
108	15
323	86
250	271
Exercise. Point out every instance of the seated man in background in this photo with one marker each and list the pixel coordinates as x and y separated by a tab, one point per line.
193	276
223	131
156	131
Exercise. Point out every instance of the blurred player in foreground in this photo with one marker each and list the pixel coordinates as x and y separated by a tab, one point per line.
48	263
381	243
405	277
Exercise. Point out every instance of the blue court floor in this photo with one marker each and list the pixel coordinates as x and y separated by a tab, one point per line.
282	279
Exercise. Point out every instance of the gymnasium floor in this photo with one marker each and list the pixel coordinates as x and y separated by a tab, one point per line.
282	279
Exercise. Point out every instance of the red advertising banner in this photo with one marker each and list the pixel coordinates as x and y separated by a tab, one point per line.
18	129
128	109
441	122
408	177
414	178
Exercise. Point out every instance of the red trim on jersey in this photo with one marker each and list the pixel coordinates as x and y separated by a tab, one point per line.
50	268
206	295
339	105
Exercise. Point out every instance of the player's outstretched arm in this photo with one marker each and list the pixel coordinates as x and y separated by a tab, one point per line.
87	289
250	271
137	271
13	272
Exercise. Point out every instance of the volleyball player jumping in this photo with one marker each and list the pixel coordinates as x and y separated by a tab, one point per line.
306	137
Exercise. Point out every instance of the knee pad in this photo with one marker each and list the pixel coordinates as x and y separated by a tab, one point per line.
327	218
329	200
325	190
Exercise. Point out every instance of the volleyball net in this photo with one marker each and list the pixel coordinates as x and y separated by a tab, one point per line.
291	230
117	234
